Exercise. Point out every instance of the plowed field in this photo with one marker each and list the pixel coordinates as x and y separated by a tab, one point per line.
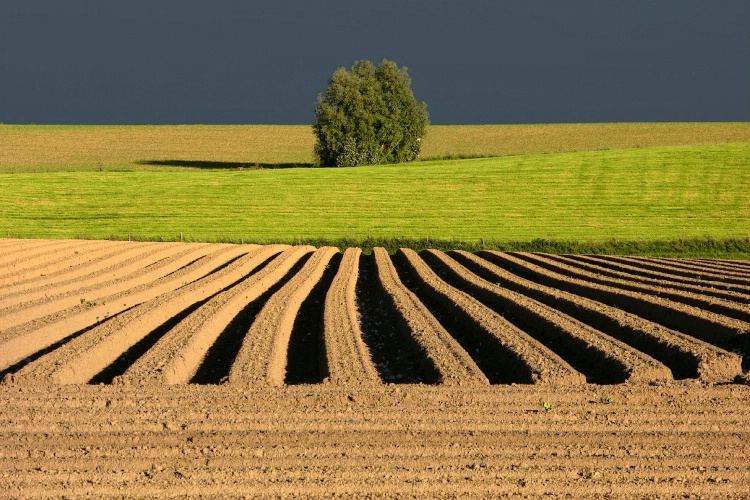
144	368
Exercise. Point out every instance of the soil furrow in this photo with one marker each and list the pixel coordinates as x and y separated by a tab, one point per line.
733	310
296	449
107	264
43	352
395	352
633	269
39	261
30	249
137	350
9	242
601	266
419	479
348	357
686	356
452	362
178	355
23	340
710	267
723	332
78	361
264	353
73	258
307	362
600	357
676	271
218	361
742	266
27	311
82	281
505	353
87	312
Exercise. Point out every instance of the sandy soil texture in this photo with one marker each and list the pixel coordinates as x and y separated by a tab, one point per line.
161	370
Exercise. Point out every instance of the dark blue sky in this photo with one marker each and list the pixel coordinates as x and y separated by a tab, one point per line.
472	61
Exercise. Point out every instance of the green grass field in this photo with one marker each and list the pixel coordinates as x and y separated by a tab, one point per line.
677	200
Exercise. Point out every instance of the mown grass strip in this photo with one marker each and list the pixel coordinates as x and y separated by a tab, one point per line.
663	201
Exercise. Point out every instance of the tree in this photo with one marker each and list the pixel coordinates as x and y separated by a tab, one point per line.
369	116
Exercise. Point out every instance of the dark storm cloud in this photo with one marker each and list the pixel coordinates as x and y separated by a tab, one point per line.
233	61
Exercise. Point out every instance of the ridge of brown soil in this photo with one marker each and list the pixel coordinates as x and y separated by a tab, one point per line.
30	309
92	269
537	362
718	306
177	356
35	260
262	357
682	353
601	355
721	270
81	359
454	365
724	264
685	355
349	359
25	339
32	248
74	258
674	270
735	293
704	325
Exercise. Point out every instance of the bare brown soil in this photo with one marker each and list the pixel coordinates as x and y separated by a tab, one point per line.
172	377
349	359
606	267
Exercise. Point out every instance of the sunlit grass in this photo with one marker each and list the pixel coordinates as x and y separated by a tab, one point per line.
633	194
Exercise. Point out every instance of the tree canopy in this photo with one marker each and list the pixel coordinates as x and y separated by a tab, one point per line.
369	115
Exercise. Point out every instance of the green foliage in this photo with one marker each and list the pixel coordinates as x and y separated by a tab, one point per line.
369	116
547	406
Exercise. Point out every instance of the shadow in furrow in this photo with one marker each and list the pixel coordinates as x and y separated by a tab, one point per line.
593	363
220	356
126	359
637	287
500	365
218	268
722	336
682	364
396	354
306	355
33	357
182	267
745	359
121	364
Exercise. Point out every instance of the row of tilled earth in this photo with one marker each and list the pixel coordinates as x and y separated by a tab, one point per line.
77	312
170	369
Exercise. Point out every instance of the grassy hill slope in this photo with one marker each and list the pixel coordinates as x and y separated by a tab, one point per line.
638	195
